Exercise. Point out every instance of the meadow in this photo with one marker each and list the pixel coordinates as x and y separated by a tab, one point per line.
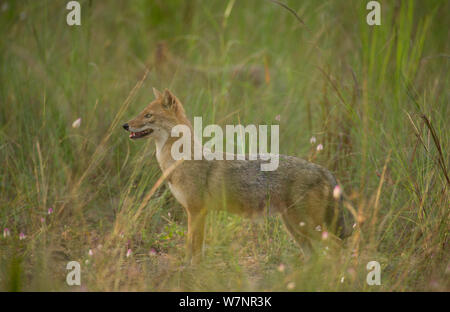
376	98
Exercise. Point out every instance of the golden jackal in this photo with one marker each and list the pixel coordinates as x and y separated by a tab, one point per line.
302	192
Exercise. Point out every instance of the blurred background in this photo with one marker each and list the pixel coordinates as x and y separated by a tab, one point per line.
368	102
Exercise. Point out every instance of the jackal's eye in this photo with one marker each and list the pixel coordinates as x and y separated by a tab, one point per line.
148	115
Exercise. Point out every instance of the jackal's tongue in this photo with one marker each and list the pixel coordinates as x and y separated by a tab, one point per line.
135	134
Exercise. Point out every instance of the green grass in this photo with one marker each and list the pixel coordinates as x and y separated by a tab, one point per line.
377	98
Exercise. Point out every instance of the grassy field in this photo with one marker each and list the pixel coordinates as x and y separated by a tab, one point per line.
376	97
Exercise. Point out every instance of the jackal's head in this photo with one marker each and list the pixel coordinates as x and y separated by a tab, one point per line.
158	118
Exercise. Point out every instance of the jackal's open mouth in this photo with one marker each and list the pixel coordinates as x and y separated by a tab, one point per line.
141	134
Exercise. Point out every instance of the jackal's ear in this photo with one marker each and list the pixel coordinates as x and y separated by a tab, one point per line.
169	100
157	93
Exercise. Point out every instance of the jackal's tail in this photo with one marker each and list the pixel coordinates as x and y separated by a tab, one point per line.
345	220
340	216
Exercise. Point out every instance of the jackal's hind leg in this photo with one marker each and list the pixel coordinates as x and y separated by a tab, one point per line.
299	232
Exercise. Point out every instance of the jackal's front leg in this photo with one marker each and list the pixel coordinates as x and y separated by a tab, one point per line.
195	236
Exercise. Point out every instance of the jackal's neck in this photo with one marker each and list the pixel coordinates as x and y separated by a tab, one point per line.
164	148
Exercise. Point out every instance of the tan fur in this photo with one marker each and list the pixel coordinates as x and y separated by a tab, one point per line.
298	190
